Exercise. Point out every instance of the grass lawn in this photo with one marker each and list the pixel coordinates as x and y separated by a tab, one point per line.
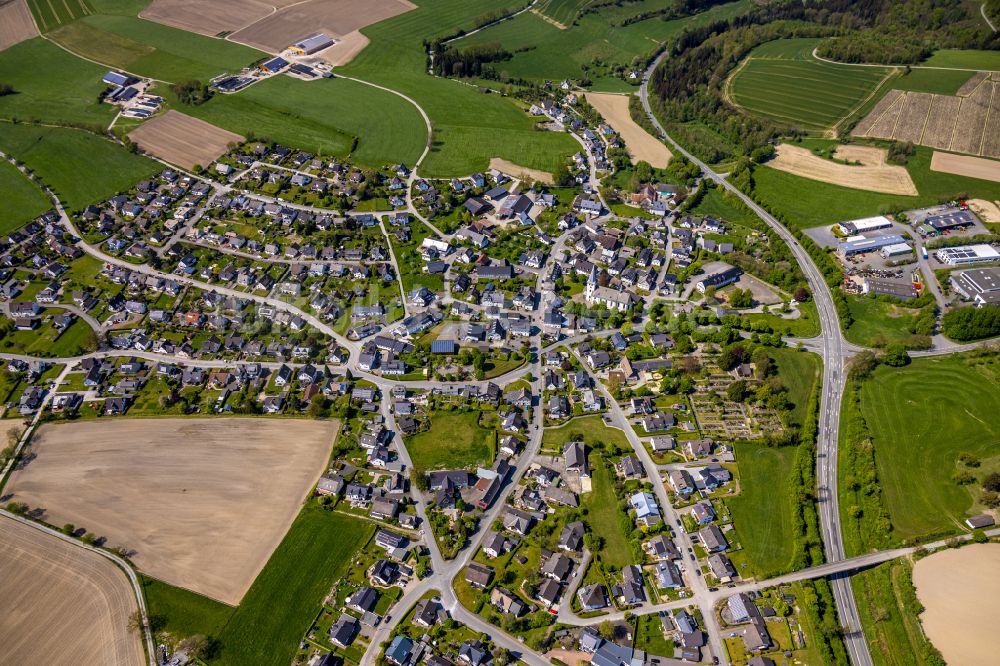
800	372
895	638
455	440
470	127
877	323
46	341
917	442
81	168
23	201
649	636
716	203
287	595
964	59
182	612
810	203
762	512
66	93
781	80
153	49
601	504
938	81
589	429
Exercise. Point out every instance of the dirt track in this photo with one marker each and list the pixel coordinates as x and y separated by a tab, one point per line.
182	140
16	24
202	502
518	171
964	165
275	32
960	590
641	145
61	605
884	178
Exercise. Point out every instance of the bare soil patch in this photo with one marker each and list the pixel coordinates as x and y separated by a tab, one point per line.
942	118
345	49
883	105
965	165
210	18
972	83
865	155
202	503
16	24
182	140
276	31
518	171
913	117
62	605
960	591
988	211
884	178
641	145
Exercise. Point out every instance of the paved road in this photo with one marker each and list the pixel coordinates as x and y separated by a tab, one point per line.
834	356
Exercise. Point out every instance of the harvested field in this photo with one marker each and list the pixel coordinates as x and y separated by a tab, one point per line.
865	155
518	171
866	123
183	140
960	592
345	49
972	121
641	145
62	605
882	178
987	211
201	503
212	18
275	32
965	123
16	24
940	127
913	115
972	84
965	165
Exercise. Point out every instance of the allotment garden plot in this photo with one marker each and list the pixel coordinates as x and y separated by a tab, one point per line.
721	418
782	81
200	503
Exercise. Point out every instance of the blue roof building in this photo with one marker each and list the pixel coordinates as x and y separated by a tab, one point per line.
399	650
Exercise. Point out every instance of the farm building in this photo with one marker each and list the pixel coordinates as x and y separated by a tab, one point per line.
119	79
311	45
872	244
274	65
956	219
896	250
981	285
967	254
865	224
895	288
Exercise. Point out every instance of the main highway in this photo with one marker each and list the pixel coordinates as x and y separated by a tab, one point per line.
834	351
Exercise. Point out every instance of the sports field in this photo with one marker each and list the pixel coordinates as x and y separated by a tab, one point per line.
201	504
922	417
23	201
543	50
455	440
66	94
80	167
781	80
61	604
